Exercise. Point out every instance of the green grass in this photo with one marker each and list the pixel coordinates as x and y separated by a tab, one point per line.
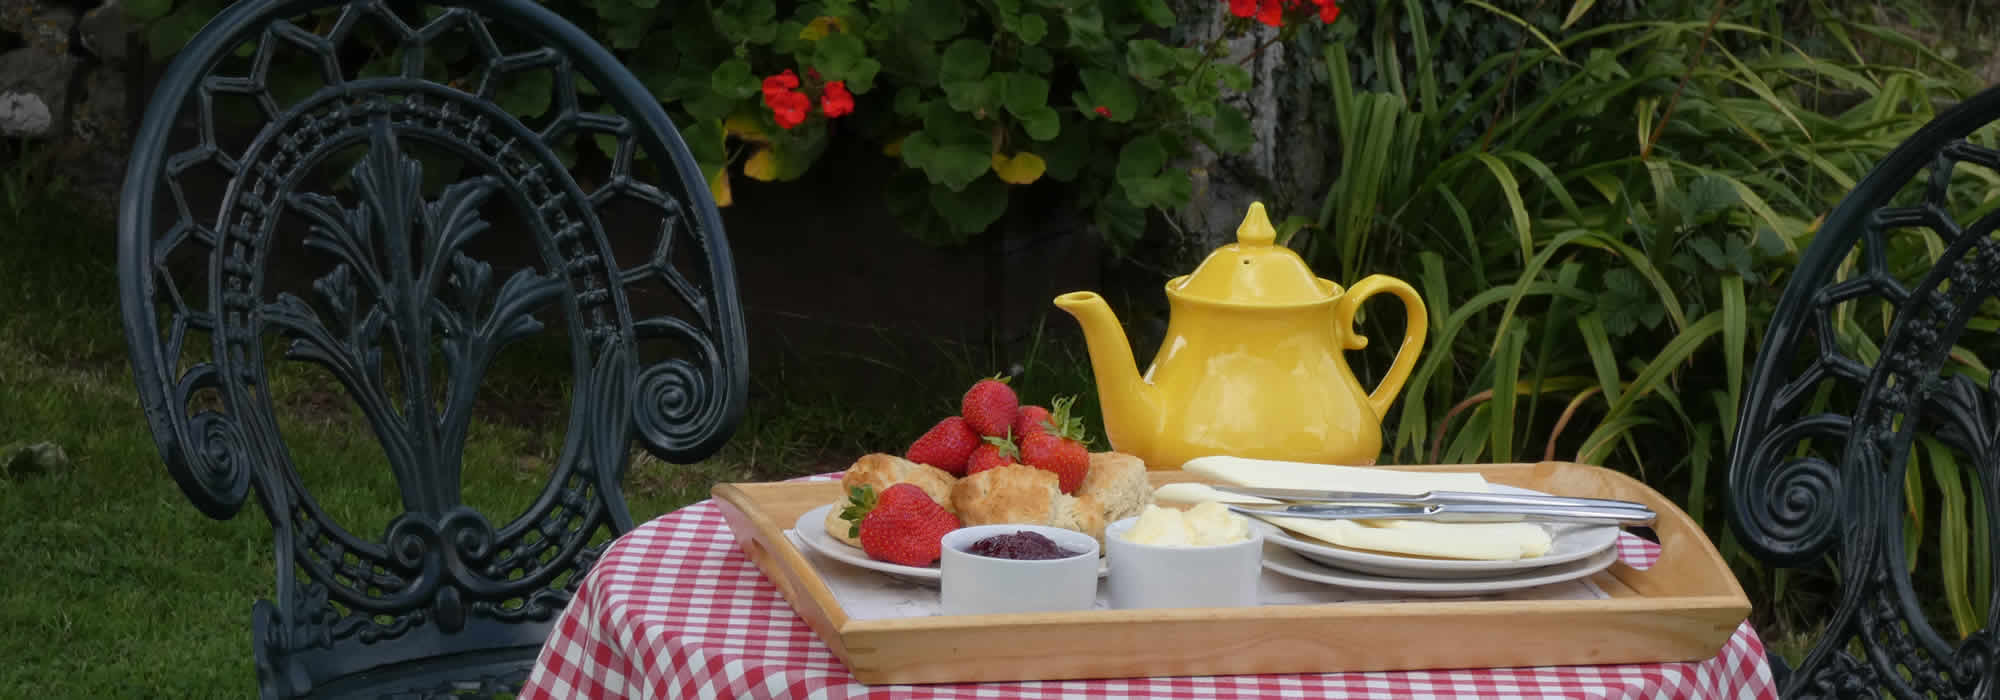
120	588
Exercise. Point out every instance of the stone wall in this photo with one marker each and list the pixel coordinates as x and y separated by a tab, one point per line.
1286	166
64	83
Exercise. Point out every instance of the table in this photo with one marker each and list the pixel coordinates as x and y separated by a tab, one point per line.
674	609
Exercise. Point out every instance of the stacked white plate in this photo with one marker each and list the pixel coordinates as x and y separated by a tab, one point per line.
1576	551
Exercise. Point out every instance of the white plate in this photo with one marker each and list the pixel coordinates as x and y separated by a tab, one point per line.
1568	542
1289	563
811	527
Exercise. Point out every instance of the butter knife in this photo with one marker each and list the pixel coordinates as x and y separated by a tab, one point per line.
1456	513
1433	497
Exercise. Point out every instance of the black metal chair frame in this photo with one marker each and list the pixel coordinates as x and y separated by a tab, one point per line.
1793	505
445	601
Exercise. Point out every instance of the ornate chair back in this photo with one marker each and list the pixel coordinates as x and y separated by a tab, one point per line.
382	193
1869	384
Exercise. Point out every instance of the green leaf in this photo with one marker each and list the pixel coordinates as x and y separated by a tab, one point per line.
711	105
1168	190
908	199
734	79
1576	12
936	20
744	21
950	127
1708	196
1034	59
167	35
956	166
623	25
1111	91
1041	123
1156	12
527	93
1506	373
973	208
1119	221
1671	356
705	141
1085	22
1603	359
1142	157
1149	59
1955	533
1511	17
841	56
1511	187
910	102
976	97
917	149
1190	97
1709	251
1024	93
1234	77
1031	29
1231	130
148	10
1700	458
1064	154
964	60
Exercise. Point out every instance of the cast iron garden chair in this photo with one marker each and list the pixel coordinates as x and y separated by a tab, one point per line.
1869	365
377	192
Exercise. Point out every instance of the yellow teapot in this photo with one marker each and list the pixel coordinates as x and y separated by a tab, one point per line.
1253	362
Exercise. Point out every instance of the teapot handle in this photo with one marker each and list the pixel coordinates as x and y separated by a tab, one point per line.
1414	332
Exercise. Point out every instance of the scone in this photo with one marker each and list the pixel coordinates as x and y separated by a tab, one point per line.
1022	495
880	471
1118	483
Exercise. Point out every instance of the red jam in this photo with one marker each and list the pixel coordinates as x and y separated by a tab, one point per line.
1020	545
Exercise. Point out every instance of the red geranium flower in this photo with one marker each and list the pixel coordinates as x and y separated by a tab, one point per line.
781	82
1329	10
788	106
835	100
1243	8
1271	12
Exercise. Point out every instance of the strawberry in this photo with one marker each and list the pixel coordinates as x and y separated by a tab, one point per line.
903	526
989	407
1060	449
996	452
1030	420
946	446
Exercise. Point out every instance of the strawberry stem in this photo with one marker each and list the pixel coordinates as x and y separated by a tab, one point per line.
1063	425
860	500
1005	444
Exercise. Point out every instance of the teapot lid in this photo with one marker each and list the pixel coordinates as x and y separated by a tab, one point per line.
1254	270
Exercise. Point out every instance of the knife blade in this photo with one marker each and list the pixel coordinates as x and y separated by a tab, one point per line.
1432	497
1456	513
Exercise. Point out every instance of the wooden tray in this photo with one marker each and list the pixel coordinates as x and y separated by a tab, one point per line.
1682	609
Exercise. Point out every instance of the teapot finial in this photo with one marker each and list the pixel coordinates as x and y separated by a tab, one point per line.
1256	227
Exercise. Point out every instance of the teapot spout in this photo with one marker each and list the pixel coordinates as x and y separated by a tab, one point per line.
1131	411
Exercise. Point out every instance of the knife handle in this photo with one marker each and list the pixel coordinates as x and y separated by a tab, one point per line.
1474	512
1469	498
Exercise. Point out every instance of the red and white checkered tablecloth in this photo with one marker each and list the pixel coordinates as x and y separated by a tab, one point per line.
674	609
